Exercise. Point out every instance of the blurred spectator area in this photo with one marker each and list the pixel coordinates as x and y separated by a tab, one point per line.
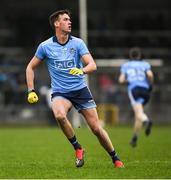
122	24
113	27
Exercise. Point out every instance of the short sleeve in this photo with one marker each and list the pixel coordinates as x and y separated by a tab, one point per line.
40	53
147	66
83	48
123	69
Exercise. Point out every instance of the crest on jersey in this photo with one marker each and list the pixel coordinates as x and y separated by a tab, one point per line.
72	51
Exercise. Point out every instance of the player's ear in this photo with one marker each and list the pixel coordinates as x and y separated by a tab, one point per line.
56	24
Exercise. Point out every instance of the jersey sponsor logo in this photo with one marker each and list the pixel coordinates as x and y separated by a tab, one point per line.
64	65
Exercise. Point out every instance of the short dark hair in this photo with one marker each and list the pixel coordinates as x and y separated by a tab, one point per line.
135	53
53	17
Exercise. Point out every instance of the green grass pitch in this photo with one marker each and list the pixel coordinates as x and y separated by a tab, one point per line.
45	153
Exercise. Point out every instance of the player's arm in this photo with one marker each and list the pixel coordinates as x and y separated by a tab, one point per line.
90	64
122	78
150	76
89	67
32	96
30	72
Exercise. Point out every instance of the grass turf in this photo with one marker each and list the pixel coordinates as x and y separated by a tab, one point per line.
45	153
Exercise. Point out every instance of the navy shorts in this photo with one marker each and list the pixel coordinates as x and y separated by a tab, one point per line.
81	99
139	95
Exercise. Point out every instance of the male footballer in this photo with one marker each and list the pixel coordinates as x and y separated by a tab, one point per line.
138	75
65	55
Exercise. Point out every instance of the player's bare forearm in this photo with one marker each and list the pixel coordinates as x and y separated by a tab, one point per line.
90	68
151	79
150	76
30	72
90	64
122	79
30	77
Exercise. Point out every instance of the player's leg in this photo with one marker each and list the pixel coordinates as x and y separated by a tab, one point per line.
148	125
141	97
140	119
137	126
134	138
143	118
61	107
92	120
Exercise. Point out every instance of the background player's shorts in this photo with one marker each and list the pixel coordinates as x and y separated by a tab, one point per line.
139	95
81	99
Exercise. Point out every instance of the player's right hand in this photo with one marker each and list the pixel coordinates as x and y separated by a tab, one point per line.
76	71
32	97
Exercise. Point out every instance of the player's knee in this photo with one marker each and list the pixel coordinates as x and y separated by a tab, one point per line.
61	117
141	116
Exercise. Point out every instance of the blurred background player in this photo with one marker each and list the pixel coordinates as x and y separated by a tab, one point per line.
64	54
138	75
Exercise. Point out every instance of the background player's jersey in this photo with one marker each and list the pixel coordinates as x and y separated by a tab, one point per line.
60	58
135	73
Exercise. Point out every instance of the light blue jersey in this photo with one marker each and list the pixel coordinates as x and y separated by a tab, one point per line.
135	73
60	58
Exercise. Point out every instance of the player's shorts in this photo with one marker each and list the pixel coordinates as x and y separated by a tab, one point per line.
81	99
139	95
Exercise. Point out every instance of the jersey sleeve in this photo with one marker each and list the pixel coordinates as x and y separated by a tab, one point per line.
123	69
83	48
147	66
40	53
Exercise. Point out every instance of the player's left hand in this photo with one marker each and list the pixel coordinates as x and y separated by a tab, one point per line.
76	71
32	97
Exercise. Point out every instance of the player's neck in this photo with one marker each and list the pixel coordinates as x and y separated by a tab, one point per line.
62	38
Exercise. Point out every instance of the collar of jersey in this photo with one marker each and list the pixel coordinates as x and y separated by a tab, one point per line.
56	40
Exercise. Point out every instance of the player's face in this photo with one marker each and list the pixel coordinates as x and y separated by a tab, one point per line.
64	23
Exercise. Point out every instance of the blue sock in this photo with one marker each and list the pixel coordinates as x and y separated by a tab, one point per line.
75	143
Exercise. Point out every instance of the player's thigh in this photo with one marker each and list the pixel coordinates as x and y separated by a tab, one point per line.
60	106
91	117
138	109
